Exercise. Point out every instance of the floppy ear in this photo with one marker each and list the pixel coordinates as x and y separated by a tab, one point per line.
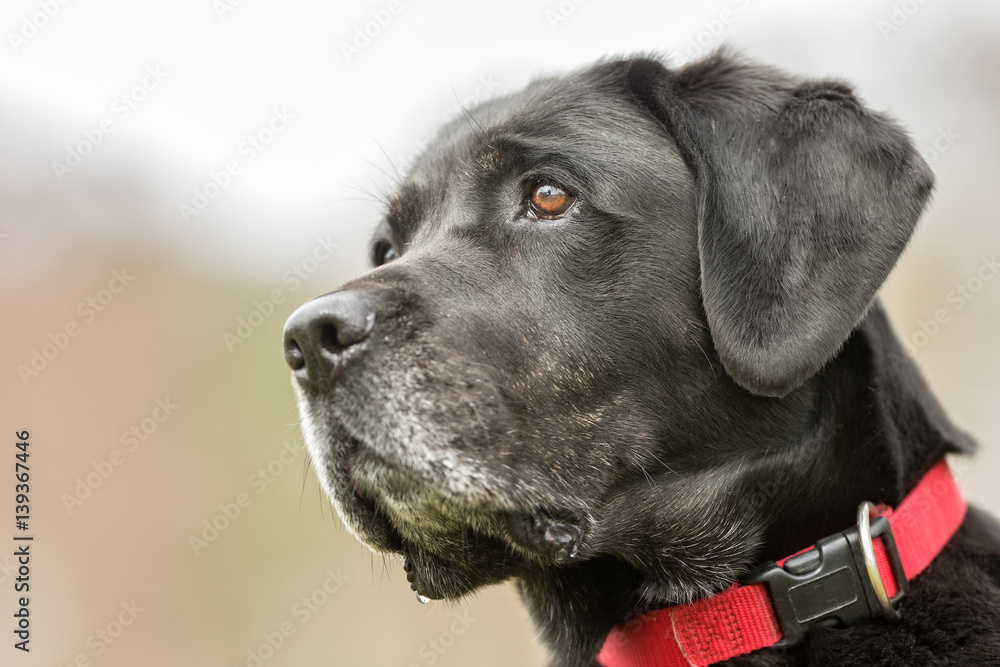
806	200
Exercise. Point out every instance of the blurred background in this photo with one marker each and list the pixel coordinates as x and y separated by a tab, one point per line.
175	178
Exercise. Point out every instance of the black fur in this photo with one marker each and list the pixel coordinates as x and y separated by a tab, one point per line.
685	375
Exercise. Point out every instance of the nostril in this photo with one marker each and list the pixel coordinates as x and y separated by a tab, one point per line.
328	339
347	329
293	354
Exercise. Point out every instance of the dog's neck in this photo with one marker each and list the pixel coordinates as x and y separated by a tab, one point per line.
875	430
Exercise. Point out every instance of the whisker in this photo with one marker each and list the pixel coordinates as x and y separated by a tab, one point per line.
648	478
305	475
393	179
373	196
705	354
660	461
399	177
468	115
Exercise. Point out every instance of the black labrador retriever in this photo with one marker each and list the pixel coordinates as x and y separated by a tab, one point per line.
621	344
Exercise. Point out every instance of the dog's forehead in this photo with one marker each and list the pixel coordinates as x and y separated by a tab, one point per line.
578	120
539	114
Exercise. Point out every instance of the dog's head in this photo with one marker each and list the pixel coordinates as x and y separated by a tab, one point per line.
616	279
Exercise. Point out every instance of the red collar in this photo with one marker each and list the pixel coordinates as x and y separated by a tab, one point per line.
828	582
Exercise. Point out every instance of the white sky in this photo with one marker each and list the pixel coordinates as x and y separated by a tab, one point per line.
225	76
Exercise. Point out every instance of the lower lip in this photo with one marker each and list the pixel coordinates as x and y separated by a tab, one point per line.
358	492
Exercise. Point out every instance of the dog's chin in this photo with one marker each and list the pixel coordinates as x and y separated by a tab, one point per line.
382	503
450	548
455	533
331	450
361	512
448	551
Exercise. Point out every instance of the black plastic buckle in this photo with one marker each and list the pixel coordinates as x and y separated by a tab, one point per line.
830	584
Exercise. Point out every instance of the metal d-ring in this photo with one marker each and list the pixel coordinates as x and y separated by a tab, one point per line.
865	509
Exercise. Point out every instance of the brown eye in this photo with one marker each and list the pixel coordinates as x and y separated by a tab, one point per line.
383	253
550	201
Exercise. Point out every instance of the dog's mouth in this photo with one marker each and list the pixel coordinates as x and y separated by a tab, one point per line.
398	510
426	485
385	485
384	502
364	495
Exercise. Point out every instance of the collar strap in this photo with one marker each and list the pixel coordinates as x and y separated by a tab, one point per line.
847	578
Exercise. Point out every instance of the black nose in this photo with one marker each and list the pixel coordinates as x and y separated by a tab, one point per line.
319	333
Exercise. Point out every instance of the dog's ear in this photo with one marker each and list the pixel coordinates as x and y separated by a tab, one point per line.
806	200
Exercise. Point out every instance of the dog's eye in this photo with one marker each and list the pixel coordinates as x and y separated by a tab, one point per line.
549	201
383	253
